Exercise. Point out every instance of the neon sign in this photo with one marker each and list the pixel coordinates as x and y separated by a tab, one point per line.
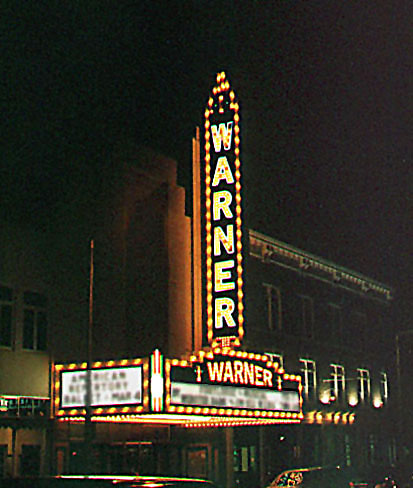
223	218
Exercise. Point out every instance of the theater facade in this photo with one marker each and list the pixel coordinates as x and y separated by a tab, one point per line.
175	409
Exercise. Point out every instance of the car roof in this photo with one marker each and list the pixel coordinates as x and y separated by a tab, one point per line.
96	481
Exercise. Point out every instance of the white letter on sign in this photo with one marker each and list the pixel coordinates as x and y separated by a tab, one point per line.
222	172
225	133
222	201
226	240
221	275
223	310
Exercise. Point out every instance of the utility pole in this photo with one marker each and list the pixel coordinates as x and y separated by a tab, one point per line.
89	433
400	410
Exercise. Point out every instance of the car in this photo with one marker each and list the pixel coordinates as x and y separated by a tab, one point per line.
105	481
389	477
318	477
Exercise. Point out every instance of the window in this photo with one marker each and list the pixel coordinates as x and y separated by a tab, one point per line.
338	382
308	368
30	460
357	333
35	321
6	315
334	325
276	358
245	459
384	387
307	316
363	382
273	295
3	457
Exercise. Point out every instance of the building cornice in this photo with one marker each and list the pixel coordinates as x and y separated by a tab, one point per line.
271	250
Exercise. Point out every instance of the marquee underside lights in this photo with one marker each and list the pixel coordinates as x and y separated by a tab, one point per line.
223	259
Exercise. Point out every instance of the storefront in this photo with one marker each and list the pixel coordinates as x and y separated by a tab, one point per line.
24	431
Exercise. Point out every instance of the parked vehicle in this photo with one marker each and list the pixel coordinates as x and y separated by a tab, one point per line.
337	477
318	477
103	481
389	477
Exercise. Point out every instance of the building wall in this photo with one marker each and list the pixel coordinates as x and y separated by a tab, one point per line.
290	299
24	362
141	258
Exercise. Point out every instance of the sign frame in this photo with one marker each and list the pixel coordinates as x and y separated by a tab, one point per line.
223	257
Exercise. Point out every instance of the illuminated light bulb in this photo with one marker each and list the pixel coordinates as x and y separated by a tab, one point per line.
325	398
353	400
377	403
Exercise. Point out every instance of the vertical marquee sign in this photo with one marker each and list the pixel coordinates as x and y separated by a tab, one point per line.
223	218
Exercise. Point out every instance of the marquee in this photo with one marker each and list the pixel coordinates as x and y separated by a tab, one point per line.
212	388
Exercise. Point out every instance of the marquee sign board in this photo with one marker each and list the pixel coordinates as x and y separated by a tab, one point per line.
232	384
116	386
109	386
223	218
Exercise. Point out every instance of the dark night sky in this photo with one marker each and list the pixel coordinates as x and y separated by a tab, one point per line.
325	91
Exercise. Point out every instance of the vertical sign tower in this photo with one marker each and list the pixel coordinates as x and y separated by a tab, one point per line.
223	218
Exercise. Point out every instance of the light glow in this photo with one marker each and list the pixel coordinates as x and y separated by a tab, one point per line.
157	381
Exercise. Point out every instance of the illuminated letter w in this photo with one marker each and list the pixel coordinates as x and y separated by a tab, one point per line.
222	134
215	371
